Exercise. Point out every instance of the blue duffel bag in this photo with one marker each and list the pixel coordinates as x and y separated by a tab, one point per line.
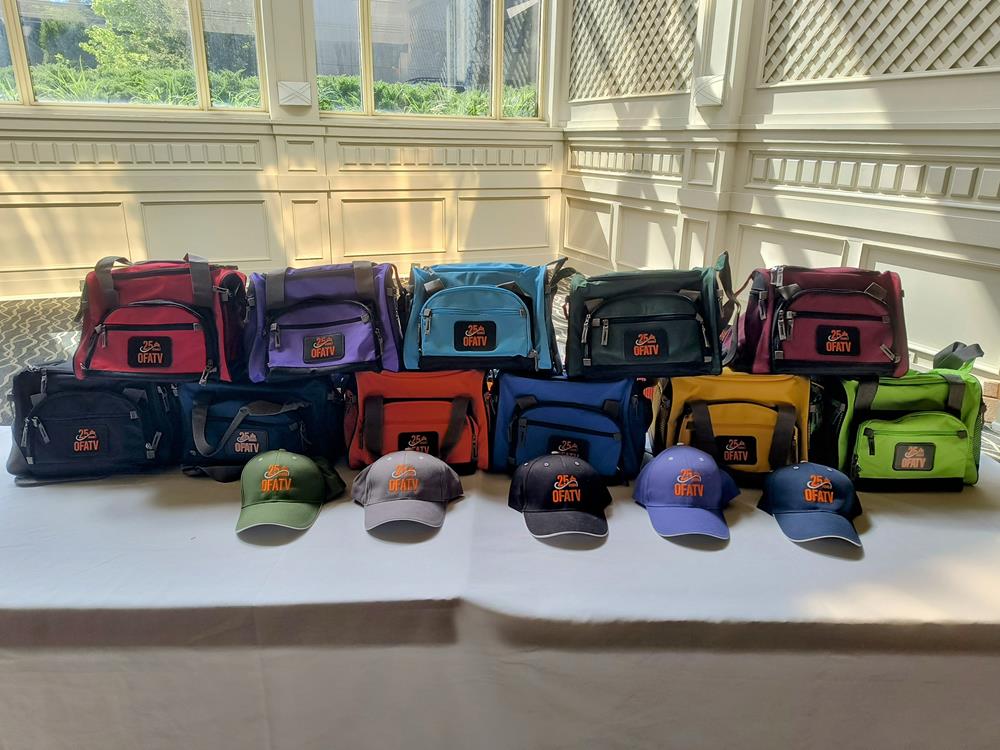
602	422
481	316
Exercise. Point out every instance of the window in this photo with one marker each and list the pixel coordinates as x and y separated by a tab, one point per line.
8	81
141	52
429	57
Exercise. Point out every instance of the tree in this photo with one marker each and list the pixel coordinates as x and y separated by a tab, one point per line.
140	34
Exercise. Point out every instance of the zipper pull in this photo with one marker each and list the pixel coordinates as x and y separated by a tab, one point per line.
790	317
222	292
586	328
427	322
45	381
209	369
605	325
782	331
175	390
870	434
151	447
24	434
893	357
102	335
704	333
163	398
276	335
779	276
379	340
41	429
522	430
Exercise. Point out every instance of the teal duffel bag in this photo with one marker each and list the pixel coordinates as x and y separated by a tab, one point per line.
922	431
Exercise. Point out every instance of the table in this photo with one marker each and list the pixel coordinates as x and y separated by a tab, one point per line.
132	616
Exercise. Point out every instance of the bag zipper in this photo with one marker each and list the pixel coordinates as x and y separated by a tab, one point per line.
428	313
593	313
605	324
870	432
524	423
275	328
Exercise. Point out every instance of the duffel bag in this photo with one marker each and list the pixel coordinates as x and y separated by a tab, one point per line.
327	319
483	316
648	323
443	414
822	321
751	424
922	431
602	422
225	425
162	320
67	429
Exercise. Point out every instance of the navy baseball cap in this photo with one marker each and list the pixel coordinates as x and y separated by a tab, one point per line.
810	501
560	495
684	491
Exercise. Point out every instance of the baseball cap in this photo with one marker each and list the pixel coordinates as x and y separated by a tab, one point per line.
684	491
281	488
560	495
810	501
406	486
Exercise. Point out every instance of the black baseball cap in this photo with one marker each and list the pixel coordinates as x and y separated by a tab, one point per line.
810	501
560	495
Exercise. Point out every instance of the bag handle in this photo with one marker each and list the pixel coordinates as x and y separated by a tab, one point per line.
957	356
555	272
199	421
782	439
864	400
364	282
726	281
202	291
461	407
373	433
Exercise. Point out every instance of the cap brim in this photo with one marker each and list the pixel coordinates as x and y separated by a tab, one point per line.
680	521
815	524
543	524
417	511
289	515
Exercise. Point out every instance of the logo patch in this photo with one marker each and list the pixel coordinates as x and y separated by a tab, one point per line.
150	351
566	489
422	442
913	457
249	442
689	484
645	343
475	336
86	440
819	489
566	446
404	479
737	449
277	478
323	348
838	341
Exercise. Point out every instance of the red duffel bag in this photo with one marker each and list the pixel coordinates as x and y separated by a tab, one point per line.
162	320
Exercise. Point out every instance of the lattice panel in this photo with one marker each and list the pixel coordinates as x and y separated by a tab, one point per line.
631	47
810	40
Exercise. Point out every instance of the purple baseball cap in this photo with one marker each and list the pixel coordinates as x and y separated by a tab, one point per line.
684	491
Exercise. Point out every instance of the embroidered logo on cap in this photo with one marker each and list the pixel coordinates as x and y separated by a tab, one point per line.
404	479
819	489
146	351
913	457
689	484
737	449
475	336
86	441
247	441
566	489
277	478
838	340
323	348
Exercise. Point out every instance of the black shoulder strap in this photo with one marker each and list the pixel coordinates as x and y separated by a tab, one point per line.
201	280
460	409
702	434
783	437
106	281
364	279
372	425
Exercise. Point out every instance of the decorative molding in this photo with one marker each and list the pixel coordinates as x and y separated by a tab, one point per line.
633	162
865	173
31	153
624	48
815	40
430	156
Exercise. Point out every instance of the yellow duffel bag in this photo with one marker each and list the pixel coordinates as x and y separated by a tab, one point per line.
752	424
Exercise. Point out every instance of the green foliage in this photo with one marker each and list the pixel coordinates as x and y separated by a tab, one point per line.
58	38
8	85
139	33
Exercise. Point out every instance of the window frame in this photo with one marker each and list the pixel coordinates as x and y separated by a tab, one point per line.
199	54
496	72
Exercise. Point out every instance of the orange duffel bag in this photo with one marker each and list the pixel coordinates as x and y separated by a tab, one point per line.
440	413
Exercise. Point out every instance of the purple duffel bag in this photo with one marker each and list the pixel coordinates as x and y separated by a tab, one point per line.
324	319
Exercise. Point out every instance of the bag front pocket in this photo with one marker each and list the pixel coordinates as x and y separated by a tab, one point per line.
591	436
843	330
87	433
420	425
658	334
922	445
742	435
476	322
322	335
154	339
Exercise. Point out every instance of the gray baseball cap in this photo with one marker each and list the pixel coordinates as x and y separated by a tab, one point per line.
406	486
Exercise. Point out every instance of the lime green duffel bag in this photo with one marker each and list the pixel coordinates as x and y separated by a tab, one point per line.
920	432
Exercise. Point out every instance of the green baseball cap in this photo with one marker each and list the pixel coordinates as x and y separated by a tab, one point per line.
281	488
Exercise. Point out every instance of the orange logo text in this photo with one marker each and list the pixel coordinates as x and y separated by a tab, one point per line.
150	353
736	452
246	442
277	478
475	337
914	458
839	341
689	484
404	479
566	489
86	441
569	448
819	489
419	443
646	345
323	348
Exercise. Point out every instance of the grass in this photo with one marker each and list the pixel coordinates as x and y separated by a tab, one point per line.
63	82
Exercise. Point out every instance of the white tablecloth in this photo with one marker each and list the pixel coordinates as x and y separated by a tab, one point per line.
132	616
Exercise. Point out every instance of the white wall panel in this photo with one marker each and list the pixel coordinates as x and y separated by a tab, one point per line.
588	229
234	232
60	237
374	227
486	223
648	239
